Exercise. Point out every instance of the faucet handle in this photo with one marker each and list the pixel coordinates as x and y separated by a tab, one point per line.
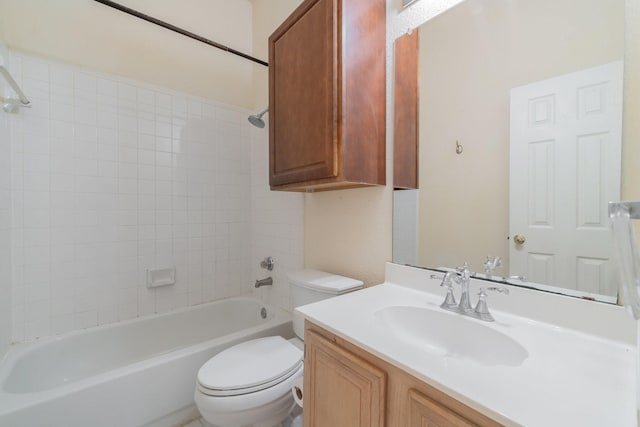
482	309
446	279
494	261
464	268
450	300
464	272
491	263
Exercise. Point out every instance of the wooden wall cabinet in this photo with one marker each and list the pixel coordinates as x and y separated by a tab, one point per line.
327	107
345	386
406	113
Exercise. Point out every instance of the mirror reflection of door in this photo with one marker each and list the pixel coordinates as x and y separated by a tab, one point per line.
470	58
565	155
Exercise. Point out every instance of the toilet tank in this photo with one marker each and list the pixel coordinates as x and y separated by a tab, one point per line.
308	286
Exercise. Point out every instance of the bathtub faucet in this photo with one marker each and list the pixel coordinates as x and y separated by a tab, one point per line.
264	282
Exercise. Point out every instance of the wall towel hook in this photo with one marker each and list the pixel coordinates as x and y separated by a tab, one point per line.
459	148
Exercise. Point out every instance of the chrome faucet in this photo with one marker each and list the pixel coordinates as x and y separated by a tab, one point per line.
462	277
450	300
264	282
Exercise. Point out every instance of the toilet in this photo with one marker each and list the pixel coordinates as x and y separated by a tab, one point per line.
249	384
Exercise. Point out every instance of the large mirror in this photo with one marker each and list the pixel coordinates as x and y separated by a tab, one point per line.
519	143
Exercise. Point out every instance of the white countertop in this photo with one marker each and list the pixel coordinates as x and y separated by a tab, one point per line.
570	378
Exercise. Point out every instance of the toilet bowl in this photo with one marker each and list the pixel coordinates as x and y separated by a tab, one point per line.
249	384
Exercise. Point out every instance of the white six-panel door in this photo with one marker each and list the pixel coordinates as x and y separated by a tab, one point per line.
565	153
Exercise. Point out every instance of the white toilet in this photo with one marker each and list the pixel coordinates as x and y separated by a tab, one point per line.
250	383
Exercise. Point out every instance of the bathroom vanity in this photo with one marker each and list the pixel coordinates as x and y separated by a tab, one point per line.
389	355
356	388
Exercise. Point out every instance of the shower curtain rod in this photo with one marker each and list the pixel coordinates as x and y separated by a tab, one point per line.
179	30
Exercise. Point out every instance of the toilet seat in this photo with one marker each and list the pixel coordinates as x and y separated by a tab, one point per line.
250	367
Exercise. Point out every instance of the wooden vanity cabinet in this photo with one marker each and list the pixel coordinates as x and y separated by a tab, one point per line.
327	107
347	390
345	386
424	411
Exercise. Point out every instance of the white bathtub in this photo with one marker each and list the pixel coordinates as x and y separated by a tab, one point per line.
132	373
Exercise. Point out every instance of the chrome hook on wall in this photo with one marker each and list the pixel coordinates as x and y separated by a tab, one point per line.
459	148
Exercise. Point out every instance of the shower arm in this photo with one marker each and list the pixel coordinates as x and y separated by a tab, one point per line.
632	207
14	85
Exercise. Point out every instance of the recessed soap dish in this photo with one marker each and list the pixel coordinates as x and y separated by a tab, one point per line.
161	277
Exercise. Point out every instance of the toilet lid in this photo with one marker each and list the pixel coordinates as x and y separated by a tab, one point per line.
250	366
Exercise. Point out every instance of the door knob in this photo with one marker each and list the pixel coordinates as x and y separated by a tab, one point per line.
519	239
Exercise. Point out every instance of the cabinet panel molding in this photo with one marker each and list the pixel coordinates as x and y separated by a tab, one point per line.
342	390
424	412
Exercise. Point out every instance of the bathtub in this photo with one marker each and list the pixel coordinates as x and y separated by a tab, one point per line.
135	373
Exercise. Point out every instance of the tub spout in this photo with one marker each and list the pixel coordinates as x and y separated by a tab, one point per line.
264	282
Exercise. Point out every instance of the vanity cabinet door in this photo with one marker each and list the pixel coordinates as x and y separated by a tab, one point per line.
425	412
346	386
302	115
341	389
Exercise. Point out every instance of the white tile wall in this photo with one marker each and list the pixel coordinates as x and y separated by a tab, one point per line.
111	177
277	225
5	218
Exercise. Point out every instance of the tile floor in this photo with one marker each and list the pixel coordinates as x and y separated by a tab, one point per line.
197	423
295	420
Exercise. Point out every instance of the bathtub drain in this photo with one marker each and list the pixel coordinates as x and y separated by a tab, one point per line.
263	313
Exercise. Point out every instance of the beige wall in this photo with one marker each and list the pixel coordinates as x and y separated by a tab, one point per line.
631	129
83	33
631	135
349	231
465	87
89	34
267	16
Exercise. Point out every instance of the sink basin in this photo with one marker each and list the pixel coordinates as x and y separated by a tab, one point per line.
451	335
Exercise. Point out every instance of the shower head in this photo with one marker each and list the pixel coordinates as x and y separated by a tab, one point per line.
10	107
256	119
